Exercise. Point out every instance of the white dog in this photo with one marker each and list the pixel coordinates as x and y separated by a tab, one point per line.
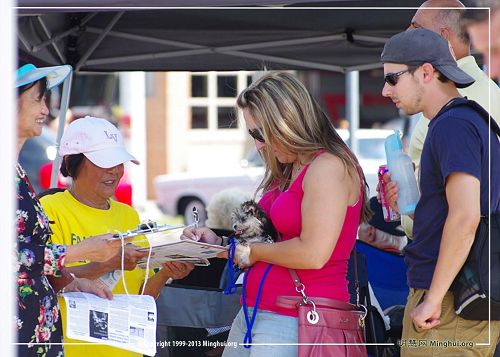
221	207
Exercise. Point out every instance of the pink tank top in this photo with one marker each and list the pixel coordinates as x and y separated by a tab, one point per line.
284	208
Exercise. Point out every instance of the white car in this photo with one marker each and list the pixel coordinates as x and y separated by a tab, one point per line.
371	152
177	194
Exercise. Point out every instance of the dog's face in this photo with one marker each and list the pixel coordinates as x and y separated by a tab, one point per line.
249	220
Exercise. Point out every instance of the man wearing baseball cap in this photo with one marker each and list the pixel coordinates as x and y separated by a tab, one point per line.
421	75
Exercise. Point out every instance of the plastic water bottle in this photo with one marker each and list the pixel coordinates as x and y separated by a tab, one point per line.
401	170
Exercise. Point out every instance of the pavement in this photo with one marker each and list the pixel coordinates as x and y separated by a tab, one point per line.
148	210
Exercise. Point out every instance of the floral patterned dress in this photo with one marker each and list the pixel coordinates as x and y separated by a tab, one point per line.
38	322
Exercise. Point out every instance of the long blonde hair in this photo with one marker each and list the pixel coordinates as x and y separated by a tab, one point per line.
287	113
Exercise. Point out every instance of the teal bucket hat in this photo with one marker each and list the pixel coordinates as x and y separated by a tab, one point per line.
29	73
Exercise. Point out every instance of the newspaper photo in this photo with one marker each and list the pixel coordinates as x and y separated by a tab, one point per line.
127	321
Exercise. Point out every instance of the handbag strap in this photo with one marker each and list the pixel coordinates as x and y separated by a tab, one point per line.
300	287
296	301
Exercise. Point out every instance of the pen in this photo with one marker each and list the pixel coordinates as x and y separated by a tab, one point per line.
196	217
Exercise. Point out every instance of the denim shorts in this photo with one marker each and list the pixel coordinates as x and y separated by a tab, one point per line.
277	333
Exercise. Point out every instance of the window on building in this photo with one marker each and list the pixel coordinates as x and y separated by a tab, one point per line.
213	99
199	86
226	118
199	118
226	86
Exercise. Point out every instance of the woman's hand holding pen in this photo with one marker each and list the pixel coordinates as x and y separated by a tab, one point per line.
204	235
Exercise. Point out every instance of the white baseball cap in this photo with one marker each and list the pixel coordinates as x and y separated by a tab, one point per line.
29	73
100	141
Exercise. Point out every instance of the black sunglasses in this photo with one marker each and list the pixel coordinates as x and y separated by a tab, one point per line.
392	78
256	134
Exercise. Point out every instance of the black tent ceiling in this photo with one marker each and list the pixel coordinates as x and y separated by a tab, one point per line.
120	36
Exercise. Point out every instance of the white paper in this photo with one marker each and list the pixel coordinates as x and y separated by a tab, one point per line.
181	250
109	280
127	321
239	281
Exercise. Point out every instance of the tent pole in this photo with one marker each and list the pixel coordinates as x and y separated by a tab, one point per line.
62	58
352	107
68	32
24	41
97	42
364	67
306	64
135	37
60	128
280	43
146	57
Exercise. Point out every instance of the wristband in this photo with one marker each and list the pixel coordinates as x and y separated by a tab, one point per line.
63	290
224	241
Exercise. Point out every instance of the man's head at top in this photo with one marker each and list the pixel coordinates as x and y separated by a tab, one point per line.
445	22
483	27
420	72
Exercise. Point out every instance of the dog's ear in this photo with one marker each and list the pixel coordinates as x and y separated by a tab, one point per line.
249	207
259	214
252	210
269	227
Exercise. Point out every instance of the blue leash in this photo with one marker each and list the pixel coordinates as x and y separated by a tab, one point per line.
249	323
231	288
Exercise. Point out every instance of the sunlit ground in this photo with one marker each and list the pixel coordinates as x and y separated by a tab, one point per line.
149	211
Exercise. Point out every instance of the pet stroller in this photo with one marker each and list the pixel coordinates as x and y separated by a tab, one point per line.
391	291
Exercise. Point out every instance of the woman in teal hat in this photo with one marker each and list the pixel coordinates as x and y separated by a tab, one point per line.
38	322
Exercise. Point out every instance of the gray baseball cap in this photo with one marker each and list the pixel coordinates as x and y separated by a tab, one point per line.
418	46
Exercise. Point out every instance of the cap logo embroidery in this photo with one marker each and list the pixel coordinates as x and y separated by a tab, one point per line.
111	136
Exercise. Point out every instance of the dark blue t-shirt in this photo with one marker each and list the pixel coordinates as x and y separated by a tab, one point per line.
457	141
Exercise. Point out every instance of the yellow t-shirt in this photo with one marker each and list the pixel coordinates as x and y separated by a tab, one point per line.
477	92
73	222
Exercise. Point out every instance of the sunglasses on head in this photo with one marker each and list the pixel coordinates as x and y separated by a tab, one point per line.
392	78
256	134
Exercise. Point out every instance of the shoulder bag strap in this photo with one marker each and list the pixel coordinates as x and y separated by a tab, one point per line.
479	109
300	287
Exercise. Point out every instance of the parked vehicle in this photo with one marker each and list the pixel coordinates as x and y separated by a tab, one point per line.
371	152
178	193
36	153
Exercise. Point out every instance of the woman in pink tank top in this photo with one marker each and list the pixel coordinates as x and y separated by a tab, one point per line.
314	195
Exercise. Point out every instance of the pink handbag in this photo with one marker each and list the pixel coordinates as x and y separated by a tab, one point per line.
327	327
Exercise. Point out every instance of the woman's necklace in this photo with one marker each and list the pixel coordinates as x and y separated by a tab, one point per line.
20	171
105	206
296	169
